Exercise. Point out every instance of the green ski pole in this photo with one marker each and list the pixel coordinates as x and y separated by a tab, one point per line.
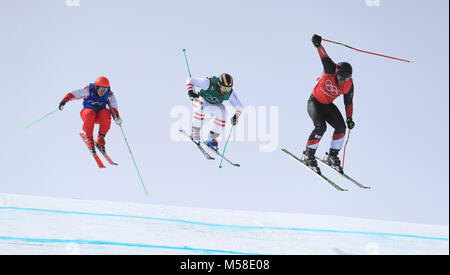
135	165
187	64
26	127
225	146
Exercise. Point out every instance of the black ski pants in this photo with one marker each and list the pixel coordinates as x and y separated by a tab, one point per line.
321	114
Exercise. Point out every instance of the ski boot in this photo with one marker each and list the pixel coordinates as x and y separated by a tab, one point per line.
195	135
333	160
90	143
101	143
212	141
310	159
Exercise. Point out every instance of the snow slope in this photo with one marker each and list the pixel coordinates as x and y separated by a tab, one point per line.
41	225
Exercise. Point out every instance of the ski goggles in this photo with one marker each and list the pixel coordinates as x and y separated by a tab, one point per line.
224	89
343	77
101	89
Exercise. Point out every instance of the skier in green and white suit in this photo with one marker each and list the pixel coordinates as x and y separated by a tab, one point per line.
209	101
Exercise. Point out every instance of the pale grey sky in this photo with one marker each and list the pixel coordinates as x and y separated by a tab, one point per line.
399	145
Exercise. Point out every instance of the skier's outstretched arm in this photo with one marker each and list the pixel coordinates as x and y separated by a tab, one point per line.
112	103
75	95
236	103
329	66
202	83
348	101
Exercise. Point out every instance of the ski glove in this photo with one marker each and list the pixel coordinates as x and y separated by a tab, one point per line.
350	123
118	121
61	105
316	40
193	96
235	120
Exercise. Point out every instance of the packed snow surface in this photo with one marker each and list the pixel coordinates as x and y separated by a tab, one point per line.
41	225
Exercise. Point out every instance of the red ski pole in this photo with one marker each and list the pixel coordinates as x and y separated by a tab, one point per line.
366	51
345	148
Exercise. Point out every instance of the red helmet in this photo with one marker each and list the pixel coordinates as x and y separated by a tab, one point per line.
102	81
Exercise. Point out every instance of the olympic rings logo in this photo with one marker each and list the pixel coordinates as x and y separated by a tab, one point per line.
331	88
212	99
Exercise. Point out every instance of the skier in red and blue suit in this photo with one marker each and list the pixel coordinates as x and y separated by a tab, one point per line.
335	80
96	97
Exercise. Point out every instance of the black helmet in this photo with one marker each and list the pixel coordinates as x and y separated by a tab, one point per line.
344	71
225	80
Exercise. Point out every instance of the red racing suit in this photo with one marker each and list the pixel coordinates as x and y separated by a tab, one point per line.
91	115
321	108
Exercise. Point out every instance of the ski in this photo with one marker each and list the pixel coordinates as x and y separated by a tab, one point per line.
96	158
220	155
344	175
319	174
207	156
110	161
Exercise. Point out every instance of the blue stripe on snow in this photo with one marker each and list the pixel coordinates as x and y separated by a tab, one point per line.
228	226
81	242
